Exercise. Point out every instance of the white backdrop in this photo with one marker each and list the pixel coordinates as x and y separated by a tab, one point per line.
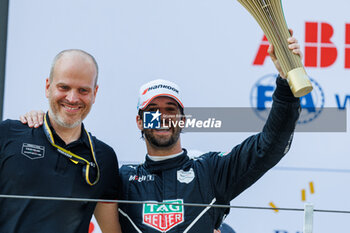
208	48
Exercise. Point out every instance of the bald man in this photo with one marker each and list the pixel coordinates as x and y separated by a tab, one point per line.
59	159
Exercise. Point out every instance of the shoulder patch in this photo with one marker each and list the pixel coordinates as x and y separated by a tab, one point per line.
221	154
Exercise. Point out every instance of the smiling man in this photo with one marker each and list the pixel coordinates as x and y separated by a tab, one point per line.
59	159
169	176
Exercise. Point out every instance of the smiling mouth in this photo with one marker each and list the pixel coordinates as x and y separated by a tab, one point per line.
163	130
76	108
71	108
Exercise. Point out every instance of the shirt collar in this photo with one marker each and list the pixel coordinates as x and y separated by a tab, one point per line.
160	158
156	166
83	139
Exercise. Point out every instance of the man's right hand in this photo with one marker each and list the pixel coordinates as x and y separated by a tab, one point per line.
33	118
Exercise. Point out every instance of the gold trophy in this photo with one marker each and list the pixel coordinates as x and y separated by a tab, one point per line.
270	16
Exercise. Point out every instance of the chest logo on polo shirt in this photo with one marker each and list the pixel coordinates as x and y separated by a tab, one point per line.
165	216
185	176
32	151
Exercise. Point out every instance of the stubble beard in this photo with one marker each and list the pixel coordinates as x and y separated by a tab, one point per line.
60	121
160	142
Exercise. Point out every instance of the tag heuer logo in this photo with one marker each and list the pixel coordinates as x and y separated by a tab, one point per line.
163	217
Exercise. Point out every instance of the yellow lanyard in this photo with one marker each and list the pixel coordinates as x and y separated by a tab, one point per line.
73	157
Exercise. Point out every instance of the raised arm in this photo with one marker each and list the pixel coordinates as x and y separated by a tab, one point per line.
251	159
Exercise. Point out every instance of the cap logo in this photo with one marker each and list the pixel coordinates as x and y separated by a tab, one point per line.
145	91
161	86
156	88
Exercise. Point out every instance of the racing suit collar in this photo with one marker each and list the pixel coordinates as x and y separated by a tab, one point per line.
157	166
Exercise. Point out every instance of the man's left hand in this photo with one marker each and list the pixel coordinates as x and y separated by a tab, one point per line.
293	46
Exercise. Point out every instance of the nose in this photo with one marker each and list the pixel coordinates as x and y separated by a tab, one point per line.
72	96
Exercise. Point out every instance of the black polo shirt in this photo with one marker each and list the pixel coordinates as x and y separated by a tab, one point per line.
30	165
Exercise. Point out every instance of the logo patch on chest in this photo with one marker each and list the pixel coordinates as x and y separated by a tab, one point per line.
185	176
165	216
32	151
141	178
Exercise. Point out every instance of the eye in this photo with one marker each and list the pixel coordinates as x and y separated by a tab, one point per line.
63	88
152	109
171	109
83	91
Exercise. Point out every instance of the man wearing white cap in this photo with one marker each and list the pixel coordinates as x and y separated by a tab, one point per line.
169	176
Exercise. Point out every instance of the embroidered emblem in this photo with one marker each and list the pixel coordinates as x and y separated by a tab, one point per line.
33	151
165	216
185	176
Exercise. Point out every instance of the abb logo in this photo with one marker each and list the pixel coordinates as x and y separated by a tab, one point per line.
320	51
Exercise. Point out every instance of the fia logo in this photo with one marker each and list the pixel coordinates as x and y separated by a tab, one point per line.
261	99
151	120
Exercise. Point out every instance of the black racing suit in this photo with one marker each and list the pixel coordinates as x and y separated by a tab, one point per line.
213	178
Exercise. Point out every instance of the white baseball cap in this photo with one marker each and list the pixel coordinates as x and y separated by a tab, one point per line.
156	88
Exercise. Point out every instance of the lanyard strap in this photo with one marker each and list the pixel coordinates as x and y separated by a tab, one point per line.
73	157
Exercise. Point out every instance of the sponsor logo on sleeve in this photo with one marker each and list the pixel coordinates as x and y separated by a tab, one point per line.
222	154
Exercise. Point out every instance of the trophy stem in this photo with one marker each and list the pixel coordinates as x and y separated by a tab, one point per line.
299	82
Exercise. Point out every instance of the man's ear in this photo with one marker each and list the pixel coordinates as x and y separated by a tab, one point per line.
47	86
139	122
95	92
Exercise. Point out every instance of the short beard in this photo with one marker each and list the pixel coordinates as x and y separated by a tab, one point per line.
162	143
60	121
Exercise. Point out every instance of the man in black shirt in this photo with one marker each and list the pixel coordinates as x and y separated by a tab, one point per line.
59	159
